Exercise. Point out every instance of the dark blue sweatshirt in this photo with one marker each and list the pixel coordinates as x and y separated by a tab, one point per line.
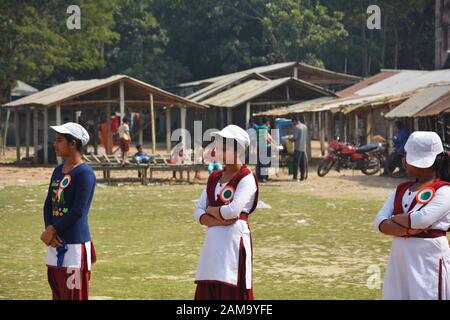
67	204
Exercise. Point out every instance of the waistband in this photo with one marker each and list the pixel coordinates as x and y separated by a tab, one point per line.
243	216
432	233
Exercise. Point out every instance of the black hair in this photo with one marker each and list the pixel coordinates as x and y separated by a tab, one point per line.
71	138
125	120
138	146
295	118
399	124
265	120
442	166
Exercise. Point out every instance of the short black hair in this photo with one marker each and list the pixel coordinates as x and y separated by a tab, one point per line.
295	119
71	138
125	120
265	120
399	124
138	146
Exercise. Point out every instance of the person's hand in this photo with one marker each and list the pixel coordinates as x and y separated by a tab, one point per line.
228	222
48	235
56	242
214	212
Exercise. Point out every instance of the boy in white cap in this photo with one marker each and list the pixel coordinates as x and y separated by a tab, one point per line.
225	268
70	251
417	215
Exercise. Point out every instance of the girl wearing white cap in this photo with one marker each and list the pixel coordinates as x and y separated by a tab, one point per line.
70	251
225	268
417	215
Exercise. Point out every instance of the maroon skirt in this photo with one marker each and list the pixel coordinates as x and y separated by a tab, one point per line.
71	285
215	290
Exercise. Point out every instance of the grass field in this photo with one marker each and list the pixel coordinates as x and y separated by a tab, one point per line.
148	244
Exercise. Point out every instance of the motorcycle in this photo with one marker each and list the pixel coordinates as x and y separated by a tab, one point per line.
367	158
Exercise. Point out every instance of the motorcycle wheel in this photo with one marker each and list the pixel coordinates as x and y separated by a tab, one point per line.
324	167
374	169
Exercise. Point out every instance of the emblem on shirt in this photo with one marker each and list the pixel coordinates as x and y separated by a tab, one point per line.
226	194
425	195
58	195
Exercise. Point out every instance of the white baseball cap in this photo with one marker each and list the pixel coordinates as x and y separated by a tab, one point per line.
422	148
75	130
234	132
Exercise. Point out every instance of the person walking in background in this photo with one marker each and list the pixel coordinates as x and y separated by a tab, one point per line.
300	158
125	139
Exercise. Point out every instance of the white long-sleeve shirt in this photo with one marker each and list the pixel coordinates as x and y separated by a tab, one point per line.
435	214
243	199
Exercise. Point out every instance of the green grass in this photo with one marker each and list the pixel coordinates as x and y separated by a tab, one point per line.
148	244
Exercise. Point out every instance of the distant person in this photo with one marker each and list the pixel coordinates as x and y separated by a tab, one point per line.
214	165
125	140
395	158
140	156
253	148
300	160
263	150
70	252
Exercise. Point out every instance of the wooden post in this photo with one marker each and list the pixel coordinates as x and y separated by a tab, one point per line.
122	100
222	122
27	132
17	132
183	123
58	123
212	112
416	124
45	135
35	134
108	122
229	115
356	123
247	114
369	125
95	138
168	130
308	119
141	131
152	119
295	75
58	114
322	133
344	126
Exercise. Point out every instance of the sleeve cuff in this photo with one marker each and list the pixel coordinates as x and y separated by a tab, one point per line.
379	225
200	218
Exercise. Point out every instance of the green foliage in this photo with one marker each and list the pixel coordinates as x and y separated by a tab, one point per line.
165	42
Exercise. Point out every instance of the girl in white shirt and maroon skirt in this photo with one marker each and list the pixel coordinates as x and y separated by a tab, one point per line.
225	268
417	215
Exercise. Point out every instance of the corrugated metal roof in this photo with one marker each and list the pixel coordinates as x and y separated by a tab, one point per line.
222	85
271	68
419	101
347	92
72	89
253	88
407	80
22	89
442	105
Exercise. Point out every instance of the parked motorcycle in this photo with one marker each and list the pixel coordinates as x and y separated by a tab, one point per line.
346	156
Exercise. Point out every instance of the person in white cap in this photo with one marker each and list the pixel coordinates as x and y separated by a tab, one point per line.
225	268
70	251
417	215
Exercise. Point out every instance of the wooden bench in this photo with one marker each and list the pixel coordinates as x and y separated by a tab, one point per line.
159	163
